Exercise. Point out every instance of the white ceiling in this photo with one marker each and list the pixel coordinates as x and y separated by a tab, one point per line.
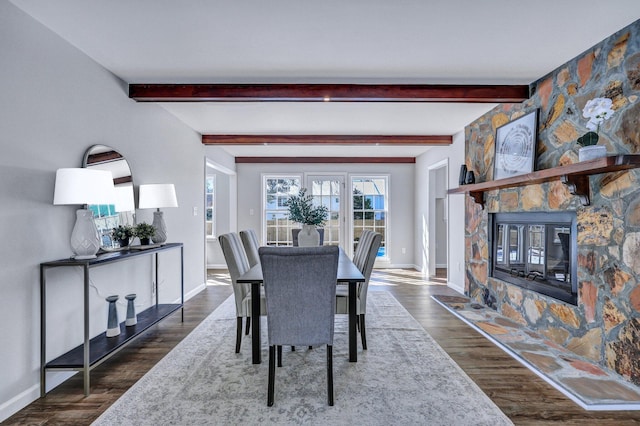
331	41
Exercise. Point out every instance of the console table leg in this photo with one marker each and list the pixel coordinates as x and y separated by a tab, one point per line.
43	333
86	371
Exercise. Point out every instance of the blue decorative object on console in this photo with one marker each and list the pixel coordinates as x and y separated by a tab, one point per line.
113	326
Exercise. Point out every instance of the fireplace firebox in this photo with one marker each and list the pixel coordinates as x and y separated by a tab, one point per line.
536	251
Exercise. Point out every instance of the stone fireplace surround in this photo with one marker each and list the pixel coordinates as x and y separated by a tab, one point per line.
604	325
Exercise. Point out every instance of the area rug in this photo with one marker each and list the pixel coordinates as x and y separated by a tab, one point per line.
404	378
583	381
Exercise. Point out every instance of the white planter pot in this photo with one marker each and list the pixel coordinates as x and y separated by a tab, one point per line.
308	236
592	152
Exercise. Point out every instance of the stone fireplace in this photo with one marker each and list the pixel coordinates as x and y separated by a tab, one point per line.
535	251
601	319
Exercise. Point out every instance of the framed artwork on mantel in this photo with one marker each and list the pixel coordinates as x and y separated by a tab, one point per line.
516	146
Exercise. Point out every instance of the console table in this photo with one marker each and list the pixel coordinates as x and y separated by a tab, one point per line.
94	351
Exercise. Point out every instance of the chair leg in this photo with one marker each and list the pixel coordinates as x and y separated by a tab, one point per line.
330	373
293	348
246	330
358	323
363	334
272	375
279	348
238	334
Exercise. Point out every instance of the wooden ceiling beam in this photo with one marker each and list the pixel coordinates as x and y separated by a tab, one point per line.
426	140
318	160
469	93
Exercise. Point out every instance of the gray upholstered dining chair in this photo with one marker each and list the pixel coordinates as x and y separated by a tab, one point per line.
250	243
238	264
364	258
300	290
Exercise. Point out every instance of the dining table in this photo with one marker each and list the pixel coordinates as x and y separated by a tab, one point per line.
348	274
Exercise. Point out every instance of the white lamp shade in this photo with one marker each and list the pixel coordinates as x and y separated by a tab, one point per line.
157	195
83	186
124	199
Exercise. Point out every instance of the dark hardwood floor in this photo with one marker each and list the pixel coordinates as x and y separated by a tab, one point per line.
520	394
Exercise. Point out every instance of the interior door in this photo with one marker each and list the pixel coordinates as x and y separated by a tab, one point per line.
328	190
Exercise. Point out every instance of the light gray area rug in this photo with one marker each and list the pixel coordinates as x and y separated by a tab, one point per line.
404	378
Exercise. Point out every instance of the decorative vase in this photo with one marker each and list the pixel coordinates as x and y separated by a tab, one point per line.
308	236
591	152
85	241
113	326
132	318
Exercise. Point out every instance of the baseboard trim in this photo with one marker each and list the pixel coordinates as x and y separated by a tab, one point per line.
217	266
18	402
455	286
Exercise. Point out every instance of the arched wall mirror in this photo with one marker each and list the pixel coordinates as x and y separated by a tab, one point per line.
109	216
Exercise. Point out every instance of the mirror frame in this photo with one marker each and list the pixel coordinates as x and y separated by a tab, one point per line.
103	157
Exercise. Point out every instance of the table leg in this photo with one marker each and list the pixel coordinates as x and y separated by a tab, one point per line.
87	362
255	323
353	314
43	333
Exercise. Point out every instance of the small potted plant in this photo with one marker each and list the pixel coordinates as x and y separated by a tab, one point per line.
302	210
596	110
144	232
123	234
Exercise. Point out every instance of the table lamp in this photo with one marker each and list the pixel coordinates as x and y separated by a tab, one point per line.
84	186
155	196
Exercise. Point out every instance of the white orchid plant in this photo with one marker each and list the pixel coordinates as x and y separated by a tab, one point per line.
596	110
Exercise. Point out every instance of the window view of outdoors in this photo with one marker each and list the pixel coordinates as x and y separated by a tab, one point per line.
209	200
327	193
278	226
106	218
370	208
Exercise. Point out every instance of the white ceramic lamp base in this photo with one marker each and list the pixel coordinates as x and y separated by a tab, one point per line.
85	242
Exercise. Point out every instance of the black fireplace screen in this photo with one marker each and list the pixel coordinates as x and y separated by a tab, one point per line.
536	251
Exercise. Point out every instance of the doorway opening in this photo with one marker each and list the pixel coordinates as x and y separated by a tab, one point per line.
438	218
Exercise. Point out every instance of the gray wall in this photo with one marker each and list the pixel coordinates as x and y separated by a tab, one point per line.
55	103
454	156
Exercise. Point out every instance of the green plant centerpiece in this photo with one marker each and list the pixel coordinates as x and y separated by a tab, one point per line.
123	234
144	231
303	211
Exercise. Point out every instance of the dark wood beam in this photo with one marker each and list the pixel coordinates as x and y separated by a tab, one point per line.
470	93
427	140
300	160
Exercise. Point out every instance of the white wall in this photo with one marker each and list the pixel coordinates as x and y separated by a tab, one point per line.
55	103
401	182
455	156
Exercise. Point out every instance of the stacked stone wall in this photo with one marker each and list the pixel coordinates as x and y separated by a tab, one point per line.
605	324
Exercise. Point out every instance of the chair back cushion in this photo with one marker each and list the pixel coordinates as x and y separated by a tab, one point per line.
370	243
361	249
300	288
250	243
237	264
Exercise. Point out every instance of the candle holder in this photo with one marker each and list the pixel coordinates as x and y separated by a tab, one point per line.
113	326
132	319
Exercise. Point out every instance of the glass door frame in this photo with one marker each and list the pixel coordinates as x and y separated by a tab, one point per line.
309	177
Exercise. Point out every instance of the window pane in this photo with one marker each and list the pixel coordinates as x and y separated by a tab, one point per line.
277	191
369	207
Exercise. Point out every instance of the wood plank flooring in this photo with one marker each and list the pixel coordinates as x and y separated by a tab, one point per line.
520	394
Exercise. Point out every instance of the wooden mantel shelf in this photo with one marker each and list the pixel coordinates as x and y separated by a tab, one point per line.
575	176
